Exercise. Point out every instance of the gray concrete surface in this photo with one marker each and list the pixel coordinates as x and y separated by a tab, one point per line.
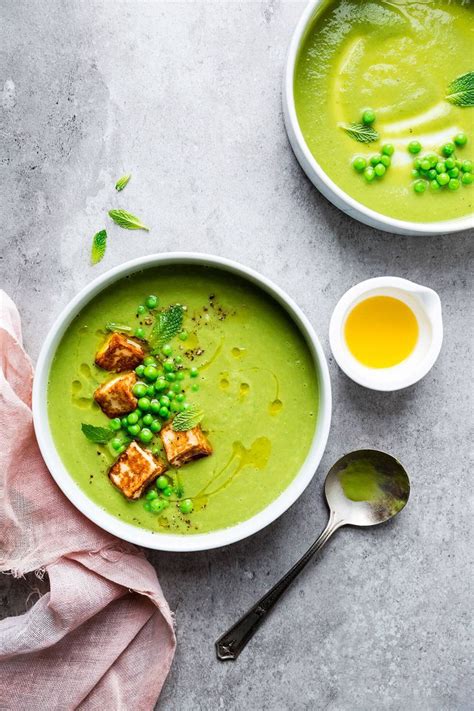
186	96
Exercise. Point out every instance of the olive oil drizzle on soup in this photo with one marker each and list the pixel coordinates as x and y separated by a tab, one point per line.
257	387
397	58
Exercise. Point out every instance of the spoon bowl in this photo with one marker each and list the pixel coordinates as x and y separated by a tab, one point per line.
366	487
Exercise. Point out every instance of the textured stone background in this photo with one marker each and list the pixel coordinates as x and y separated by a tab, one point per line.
186	96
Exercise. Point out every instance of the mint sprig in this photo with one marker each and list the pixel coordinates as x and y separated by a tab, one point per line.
461	90
127	220
360	132
167	325
187	419
99	435
99	243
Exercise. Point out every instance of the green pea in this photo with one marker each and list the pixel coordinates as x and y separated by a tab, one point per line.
448	149
161	384
147	505
167	350
453	173
467	179
115	424
151	301
167	491
139	333
144	404
124	422
415	173
454	184
425	164
467	166
443	178
414	147
388	149
368	117
375	160
369	174
379	171
141	309
147	419
419	186
195	387
359	164
186	506
458	163
180	397
140	422
149	360
178	359
441	167
162	482
386	161
133	418
180	375
139	370
155	426
170	394
116	443
170	377
164	412
434	185
460	139
417	163
433	159
176	388
168	365
150	391
139	390
155	405
432	174
183	336
152	494
450	163
133	430
145	435
151	373
157	505
175	407
164	400
194	372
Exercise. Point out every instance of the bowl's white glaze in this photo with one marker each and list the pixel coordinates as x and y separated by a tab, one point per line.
162	541
317	175
425	304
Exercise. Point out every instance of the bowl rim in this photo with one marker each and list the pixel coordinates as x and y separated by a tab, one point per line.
144	537
317	175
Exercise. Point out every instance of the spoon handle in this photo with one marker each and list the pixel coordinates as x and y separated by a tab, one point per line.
235	639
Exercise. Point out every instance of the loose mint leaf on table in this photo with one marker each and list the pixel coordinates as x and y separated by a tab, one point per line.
127	220
99	243
360	132
121	327
461	90
122	182
167	325
187	419
99	435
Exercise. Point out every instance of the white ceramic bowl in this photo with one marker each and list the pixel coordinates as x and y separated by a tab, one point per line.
426	306
164	541
317	175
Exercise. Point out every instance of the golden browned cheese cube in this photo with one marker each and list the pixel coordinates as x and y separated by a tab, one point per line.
119	353
134	470
115	397
182	447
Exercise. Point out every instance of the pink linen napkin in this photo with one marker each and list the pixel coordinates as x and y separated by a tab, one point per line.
103	637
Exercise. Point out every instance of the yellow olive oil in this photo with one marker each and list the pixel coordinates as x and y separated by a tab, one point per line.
381	331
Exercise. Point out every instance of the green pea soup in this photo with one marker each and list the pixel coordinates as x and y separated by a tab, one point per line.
257	386
397	57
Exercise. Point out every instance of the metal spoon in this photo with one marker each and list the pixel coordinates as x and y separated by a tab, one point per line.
363	488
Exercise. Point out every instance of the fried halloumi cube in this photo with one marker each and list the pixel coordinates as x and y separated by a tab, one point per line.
182	447
119	353
134	470
116	397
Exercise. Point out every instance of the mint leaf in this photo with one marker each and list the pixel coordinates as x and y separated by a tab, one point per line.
99	243
187	419
461	90
127	220
99	435
122	182
360	132
167	325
